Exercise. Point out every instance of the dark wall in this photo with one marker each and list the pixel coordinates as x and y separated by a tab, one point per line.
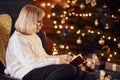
13	7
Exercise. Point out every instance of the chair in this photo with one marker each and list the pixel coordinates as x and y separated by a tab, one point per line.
5	28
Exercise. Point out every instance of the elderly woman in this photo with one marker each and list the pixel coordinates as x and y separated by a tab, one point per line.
25	56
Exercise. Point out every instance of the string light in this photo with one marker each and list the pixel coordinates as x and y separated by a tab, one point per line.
48	16
48	4
43	4
55	22
110	55
102	54
81	15
115	53
108	59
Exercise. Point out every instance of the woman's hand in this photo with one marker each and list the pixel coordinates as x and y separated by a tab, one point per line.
65	59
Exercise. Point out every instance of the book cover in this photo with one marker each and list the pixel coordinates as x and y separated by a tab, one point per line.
77	60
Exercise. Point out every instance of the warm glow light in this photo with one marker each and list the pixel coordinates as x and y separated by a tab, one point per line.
73	2
112	16
67	47
55	22
98	32
52	6
54	44
82	6
108	59
48	16
58	1
72	27
110	55
68	1
62	46
107	26
70	14
78	32
92	32
66	6
115	39
86	15
69	53
89	31
90	14
103	36
43	5
60	26
53	14
96	22
76	14
48	4
109	37
115	53
63	21
66	18
80	14
119	9
55	26
102	54
55	53
65	12
58	32
73	13
83	34
89	62
66	27
61	16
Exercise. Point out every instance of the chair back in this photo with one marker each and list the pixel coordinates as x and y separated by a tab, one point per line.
5	29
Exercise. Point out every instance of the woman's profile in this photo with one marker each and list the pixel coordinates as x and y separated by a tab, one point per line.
26	58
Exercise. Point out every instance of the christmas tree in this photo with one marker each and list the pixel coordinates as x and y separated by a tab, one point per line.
87	26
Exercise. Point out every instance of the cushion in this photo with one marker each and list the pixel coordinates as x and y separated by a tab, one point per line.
5	28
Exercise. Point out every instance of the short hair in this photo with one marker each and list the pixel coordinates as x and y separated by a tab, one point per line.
27	19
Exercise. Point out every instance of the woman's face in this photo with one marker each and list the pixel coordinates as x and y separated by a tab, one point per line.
39	25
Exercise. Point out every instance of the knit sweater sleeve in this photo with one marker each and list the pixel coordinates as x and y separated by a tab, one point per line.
20	57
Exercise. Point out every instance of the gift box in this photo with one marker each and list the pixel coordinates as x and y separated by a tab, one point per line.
112	66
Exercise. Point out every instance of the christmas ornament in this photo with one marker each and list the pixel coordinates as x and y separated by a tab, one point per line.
63	21
119	45
96	22
82	6
107	26
79	41
101	41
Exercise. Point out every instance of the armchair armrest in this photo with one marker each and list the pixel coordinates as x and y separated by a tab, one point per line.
6	77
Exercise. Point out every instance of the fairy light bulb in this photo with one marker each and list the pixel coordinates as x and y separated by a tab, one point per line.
48	4
43	5
102	54
108	59
110	55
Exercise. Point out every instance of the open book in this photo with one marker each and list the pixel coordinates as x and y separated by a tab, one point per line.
77	60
